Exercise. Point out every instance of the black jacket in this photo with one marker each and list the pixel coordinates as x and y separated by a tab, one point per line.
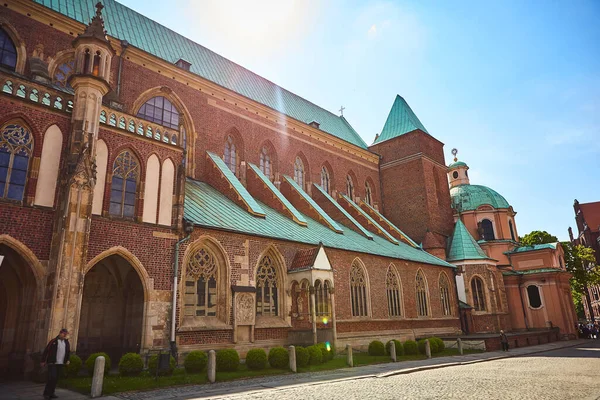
49	356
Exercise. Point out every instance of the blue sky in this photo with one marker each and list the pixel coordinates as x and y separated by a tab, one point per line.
514	85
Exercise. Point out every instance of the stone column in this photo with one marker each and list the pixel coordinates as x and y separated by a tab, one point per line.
313	313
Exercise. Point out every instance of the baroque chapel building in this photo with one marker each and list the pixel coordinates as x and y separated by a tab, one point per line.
154	194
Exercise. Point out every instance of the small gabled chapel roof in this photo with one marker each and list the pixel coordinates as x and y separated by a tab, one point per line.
463	246
400	120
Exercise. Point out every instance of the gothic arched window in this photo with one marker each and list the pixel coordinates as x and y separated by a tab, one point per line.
8	51
350	187
325	181
445	294
63	72
161	111
230	154
299	172
512	230
477	288
358	290
123	190
368	194
393	290
421	291
488	229
200	297
265	162
16	144
322	299
266	287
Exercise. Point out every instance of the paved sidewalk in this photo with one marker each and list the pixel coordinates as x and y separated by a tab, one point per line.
269	385
27	390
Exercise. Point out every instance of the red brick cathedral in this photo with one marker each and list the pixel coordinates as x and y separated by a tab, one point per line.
156	195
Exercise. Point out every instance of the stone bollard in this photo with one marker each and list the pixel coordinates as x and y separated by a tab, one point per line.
349	359
292	353
212	366
427	348
393	350
459	344
98	377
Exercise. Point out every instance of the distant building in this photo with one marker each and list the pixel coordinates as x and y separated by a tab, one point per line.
587	218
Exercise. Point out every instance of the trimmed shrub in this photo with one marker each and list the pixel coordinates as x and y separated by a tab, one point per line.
399	348
410	347
376	348
228	360
89	363
433	345
315	355
279	358
153	365
195	362
72	370
256	359
302	357
327	353
439	344
131	364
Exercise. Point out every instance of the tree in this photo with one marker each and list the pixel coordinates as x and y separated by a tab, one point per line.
580	262
537	237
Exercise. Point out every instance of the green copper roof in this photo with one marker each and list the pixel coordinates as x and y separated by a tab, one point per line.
267	182
457	164
207	207
123	23
400	120
535	247
359	210
252	205
533	271
463	246
469	197
346	214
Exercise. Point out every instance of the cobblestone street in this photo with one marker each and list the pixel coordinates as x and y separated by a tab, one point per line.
570	373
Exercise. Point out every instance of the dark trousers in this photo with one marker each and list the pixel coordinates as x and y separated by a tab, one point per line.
54	371
505	346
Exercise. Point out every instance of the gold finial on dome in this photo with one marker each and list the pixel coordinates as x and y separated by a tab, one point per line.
454	153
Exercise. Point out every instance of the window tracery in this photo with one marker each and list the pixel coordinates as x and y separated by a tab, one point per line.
325	180
200	296
477	288
230	156
299	172
266	288
63	72
16	145
393	291
265	162
445	295
422	298
358	291
8	51
161	111
123	192
350	187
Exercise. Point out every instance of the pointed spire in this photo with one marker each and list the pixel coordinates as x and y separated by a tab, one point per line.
95	29
463	246
400	120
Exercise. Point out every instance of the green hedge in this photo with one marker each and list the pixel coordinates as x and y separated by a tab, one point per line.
131	364
279	358
410	347
376	348
302	357
153	365
315	355
195	362
399	348
228	360
72	370
256	359
440	346
89	363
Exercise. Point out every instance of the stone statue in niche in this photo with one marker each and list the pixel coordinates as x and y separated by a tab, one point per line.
244	309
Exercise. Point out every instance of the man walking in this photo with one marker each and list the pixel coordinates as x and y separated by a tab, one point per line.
504	341
56	354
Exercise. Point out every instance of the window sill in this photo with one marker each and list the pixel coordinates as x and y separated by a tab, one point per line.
270	322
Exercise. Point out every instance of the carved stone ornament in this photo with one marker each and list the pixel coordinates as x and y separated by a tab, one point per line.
244	308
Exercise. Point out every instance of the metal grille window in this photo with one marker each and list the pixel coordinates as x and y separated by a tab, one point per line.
325	184
445	295
358	291
393	290
123	190
230	157
161	111
322	298
421	291
478	294
16	144
8	52
200	295
265	162
299	172
266	288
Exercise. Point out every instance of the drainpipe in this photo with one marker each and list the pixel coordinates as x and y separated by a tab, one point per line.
523	302
124	46
188	229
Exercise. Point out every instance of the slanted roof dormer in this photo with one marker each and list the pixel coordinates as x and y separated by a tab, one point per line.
183	64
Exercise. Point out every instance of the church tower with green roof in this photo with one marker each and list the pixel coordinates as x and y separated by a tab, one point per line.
414	183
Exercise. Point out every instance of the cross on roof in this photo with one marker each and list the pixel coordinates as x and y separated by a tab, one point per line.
341	110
